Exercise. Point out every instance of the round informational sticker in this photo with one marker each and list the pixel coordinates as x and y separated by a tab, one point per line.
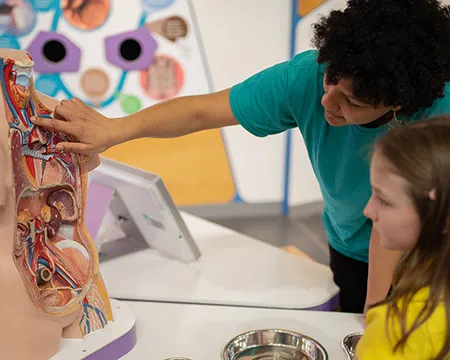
130	104
95	83
86	14
149	6
175	27
17	17
171	28
163	79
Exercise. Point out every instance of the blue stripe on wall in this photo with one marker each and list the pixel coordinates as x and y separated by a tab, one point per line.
287	158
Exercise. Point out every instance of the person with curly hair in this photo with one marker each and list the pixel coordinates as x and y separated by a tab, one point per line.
375	65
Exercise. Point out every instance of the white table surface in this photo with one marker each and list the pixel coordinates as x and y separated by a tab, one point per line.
234	270
199	332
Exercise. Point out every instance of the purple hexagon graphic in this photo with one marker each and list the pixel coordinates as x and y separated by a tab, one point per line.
132	50
54	53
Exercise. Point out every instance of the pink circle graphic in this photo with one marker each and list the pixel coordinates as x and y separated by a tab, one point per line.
163	79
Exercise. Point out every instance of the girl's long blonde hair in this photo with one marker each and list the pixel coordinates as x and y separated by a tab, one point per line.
420	153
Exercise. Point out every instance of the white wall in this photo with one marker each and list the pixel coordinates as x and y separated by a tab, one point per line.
304	187
242	37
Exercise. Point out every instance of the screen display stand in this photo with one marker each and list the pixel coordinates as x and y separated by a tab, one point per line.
129	210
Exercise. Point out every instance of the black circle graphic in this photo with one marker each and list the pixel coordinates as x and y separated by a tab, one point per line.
54	51
130	49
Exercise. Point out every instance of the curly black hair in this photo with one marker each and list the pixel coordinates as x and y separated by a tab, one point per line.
397	52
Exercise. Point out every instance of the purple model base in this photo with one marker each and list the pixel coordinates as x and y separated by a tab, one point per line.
117	348
331	305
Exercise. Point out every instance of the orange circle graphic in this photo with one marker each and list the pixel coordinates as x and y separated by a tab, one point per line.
86	14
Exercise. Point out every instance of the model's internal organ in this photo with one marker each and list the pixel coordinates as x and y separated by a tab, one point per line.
58	265
52	250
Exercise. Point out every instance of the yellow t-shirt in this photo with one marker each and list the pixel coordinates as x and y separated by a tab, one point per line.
424	343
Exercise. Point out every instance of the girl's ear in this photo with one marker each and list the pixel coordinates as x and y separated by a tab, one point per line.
432	194
432	197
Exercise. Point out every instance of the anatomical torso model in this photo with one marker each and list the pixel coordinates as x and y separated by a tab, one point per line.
50	285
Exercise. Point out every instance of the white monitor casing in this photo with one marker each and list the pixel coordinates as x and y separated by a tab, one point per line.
146	212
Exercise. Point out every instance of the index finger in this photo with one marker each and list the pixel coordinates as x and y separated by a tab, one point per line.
54	124
65	111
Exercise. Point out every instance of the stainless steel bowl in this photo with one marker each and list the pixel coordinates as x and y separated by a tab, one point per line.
273	344
349	343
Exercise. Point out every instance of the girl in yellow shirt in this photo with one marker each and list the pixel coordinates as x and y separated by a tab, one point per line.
410	209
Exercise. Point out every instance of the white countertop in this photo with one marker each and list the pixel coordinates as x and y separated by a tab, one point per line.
234	270
199	332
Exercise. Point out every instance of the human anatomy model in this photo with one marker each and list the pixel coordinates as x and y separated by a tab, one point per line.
50	283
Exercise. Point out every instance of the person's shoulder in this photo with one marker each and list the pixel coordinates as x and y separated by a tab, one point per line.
435	325
383	331
441	106
417	302
373	344
420	299
306	60
376	313
447	90
434	330
445	100
306	57
305	87
414	309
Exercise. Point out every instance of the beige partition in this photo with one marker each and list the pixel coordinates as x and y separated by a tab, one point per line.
194	168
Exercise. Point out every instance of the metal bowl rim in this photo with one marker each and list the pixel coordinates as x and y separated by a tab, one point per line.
347	336
290	332
351	334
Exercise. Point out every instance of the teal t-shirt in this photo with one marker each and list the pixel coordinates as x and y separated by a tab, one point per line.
287	96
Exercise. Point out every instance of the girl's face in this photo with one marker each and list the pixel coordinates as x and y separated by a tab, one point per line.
390	207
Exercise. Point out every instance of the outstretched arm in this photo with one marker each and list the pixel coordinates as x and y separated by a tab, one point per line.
172	118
